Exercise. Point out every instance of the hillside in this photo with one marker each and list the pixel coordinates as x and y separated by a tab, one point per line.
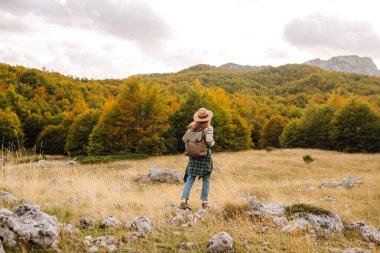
45	110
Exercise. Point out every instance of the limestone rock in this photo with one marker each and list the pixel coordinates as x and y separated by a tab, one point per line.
68	229
221	242
269	209
299	225
371	234
87	223
189	246
329	223
355	225
7	197
186	218
28	224
110	222
356	250
107	242
140	224
281	221
347	182
348	63
165	176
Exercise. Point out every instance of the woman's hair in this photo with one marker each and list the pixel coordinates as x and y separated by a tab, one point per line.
197	126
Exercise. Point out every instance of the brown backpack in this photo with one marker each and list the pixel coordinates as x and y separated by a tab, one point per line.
195	144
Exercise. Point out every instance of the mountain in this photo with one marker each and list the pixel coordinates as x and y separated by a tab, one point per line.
239	67
348	63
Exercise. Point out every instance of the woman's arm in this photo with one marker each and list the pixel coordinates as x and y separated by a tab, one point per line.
209	134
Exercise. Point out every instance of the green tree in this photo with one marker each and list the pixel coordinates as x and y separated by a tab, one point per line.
356	128
272	130
52	140
79	132
11	133
32	127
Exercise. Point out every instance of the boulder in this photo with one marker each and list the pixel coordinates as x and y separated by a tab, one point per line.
281	221
269	209
164	176
221	242
371	234
28	224
140	224
7	197
110	222
328	223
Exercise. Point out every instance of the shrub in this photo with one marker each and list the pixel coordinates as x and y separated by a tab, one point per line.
308	158
305	208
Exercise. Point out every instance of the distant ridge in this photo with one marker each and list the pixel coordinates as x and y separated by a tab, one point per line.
348	63
239	67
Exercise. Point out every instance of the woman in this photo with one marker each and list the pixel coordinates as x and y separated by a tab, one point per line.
199	166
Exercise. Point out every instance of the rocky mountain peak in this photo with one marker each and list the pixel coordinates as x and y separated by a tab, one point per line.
348	63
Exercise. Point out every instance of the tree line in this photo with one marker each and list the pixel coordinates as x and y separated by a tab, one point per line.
288	106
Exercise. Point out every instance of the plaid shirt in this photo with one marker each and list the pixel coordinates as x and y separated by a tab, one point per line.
200	166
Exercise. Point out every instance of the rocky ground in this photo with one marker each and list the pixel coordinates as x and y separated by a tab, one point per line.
247	223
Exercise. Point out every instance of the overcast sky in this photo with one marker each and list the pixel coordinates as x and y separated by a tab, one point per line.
118	38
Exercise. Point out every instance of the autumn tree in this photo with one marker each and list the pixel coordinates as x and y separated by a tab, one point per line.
272	130
135	122
356	128
11	133
79	132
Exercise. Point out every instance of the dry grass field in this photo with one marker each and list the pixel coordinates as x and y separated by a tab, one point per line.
73	192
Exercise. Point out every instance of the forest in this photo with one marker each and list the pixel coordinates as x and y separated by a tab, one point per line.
287	106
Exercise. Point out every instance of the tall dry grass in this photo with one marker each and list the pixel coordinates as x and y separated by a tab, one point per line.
73	192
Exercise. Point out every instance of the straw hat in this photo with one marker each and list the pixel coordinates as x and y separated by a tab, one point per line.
203	115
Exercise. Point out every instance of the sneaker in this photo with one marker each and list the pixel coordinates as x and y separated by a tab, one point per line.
184	206
204	205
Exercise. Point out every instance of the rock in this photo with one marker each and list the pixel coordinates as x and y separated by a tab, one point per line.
296	226
347	182
221	242
329	223
107	242
71	162
141	224
350	182
28	224
165	176
329	198
356	250
68	229
87	223
7	197
189	246
347	63
135	236
269	209
110	222
186	218
3	160
355	225
93	249
143	179
282	221
371	234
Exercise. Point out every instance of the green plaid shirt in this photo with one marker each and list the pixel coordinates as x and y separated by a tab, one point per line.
200	166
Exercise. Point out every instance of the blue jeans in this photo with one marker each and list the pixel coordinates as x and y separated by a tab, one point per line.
189	183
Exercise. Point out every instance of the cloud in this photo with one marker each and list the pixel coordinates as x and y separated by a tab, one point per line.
320	33
132	20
